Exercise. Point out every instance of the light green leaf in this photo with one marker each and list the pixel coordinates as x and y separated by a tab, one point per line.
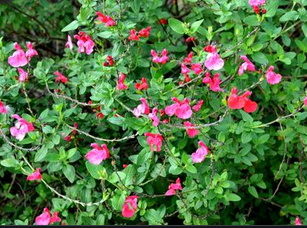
176	25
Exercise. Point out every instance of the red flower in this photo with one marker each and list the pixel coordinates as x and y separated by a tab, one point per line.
130	206
238	102
60	77
120	84
163	21
154	139
35	176
145	32
190	131
142	85
173	187
133	35
181	109
107	20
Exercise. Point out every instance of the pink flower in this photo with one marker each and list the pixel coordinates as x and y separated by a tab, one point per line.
214	62
298	221
55	218
67	138
190	131
76	127
200	154
173	187
256	2
31	51
23	75
305	102
145	32
271	77
130	206
60	77
154	139
22	127
69	43
197	107
247	65
238	102
215	83
154	117
133	35
35	176
46	219
181	109
142	85
142	108
98	154
2	108
184	69
18	59
156	59
107	20
85	43
197	68
207	78
120	83
189	58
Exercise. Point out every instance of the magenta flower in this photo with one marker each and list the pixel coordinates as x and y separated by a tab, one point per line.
130	206
60	77
215	83
22	127
197	107
98	154
18	59
141	108
200	153
153	116
46	219
120	83
85	43
247	65
207	79
31	51
214	62
305	103
192	132
256	2
271	77
2	108
23	75
197	68
156	59
298	221
184	69
189	58
154	140
181	109
35	176
107	20
173	187
69	43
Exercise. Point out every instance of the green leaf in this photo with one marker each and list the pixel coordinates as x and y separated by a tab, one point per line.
96	171
289	16
246	137
304	28
69	172
272	8
233	197
176	25
118	201
251	20
105	34
246	117
71	26
9	162
196	25
40	154
301	45
252	190
260	58
191	169
135	6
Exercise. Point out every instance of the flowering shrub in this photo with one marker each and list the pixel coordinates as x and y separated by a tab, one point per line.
155	112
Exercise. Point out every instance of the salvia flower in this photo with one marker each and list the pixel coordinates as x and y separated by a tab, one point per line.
142	85
215	83
298	221
120	84
192	132
305	102
31	51
69	43
214	62
197	68
247	65
153	116
189	58
107	20
85	43
45	218
181	109
256	2
238	102
156	59
173	187
130	206
200	154
98	154
22	127
19	58
197	107
23	75
60	77
184	69
141	108
271	77
145	32
133	35
154	140
207	79
35	175
2	108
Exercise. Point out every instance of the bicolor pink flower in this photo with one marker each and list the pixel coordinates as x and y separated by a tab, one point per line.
130	206
214	62
173	187
305	102
154	140
192	132
35	176
197	107
153	116
184	69
107	20
215	83
31	51
247	65
145	32
121	82
142	85
298	221
69	43
22	127
98	154
23	75
197	68
238	102
189	58
200	154
19	58
271	77
46	218
133	35
2	108
85	43
181	109
256	2
141	108
156	59
60	77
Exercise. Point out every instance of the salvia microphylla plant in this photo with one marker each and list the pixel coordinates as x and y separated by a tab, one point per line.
148	118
